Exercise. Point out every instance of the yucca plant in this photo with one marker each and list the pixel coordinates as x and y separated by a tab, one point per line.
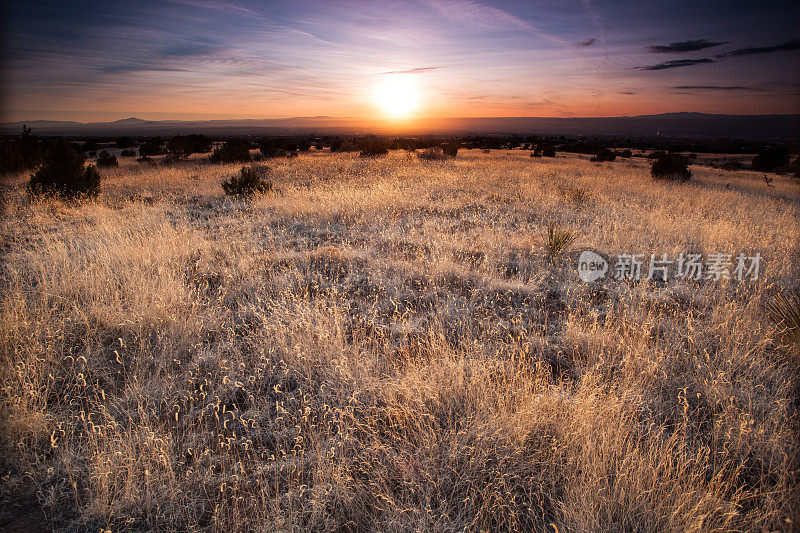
558	239
785	312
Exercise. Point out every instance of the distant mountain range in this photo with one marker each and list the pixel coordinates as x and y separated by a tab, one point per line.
671	125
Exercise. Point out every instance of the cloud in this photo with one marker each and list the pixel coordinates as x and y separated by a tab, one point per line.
794	44
684	46
130	67
677	63
716	88
588	42
627	92
418	70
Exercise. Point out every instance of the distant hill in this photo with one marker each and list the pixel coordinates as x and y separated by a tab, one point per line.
670	125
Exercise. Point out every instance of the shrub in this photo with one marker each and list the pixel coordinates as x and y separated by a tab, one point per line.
233	151
785	313
182	146
127	153
771	160
107	160
548	151
557	240
151	147
604	154
450	149
125	142
627	154
63	174
432	154
536	153
21	153
146	159
373	146
270	148
672	167
249	182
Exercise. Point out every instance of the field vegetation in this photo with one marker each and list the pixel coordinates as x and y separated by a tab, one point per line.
396	343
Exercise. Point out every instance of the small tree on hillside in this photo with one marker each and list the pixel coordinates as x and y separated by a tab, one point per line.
672	167
604	155
249	182
107	160
233	151
63	174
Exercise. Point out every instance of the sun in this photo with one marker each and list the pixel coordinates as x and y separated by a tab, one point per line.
398	96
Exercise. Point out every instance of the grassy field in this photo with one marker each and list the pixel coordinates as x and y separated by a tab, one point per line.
382	344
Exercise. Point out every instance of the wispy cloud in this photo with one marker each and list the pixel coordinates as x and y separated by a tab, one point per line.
685	46
677	63
588	42
133	67
418	70
794	44
716	88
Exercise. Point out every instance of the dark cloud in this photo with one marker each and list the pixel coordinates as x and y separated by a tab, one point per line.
130	67
588	42
417	70
716	88
794	44
677	63
684	46
627	92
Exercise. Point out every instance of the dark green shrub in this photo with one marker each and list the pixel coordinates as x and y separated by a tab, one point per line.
373	146
604	155
127	153
106	160
125	142
771	160
250	181
152	147
233	151
21	153
450	149
432	154
627	154
271	148
63	174
182	146
548	151
672	167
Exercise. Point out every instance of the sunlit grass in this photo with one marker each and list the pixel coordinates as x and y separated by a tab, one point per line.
375	345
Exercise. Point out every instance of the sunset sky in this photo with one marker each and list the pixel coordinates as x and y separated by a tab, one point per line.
204	59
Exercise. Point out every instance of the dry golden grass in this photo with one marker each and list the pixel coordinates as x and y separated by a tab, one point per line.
384	344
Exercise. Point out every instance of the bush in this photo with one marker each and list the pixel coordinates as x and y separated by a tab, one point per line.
151	147
432	154
548	151
627	154
182	146
146	159
673	167
604	155
21	153
557	240
125	142
106	160
248	182
771	160
63	174
233	151
450	149
271	148
373	146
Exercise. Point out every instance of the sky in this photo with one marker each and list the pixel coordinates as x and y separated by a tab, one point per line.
206	59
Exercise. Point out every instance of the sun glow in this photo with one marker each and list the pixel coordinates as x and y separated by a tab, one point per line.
398	96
